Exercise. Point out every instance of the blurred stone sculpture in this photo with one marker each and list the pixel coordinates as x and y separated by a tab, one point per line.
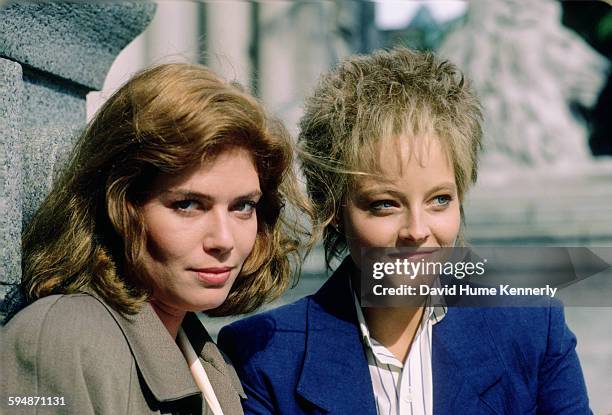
528	70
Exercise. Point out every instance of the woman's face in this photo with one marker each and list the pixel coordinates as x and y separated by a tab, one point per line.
413	204
201	226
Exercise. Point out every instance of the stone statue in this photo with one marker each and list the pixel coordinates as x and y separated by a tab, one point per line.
527	69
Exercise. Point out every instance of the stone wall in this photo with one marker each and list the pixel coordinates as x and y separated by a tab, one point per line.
52	55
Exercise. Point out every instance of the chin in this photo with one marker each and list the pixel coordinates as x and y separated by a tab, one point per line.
211	303
204	299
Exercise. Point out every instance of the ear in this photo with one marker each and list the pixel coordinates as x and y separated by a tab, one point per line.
337	222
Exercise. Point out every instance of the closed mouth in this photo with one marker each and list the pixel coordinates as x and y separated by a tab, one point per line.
213	270
412	253
213	276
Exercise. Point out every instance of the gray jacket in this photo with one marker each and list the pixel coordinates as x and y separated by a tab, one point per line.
78	348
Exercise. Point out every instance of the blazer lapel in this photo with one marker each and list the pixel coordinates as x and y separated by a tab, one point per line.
163	366
467	371
221	374
159	360
335	374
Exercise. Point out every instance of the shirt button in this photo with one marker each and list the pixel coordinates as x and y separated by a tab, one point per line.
408	395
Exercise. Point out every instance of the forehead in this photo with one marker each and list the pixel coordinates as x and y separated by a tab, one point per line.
230	170
404	156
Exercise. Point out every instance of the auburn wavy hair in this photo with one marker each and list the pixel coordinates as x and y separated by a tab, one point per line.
372	99
89	235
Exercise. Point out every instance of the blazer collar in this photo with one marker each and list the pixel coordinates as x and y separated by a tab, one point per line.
161	363
335	374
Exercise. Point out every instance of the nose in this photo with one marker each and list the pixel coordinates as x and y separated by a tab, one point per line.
218	236
414	229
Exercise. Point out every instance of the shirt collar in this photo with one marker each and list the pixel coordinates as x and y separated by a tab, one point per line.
435	310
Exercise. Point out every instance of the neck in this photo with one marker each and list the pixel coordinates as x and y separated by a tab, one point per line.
394	327
170	317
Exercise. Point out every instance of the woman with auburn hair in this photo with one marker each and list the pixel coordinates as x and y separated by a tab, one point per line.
389	147
173	202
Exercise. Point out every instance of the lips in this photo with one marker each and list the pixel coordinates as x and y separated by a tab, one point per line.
213	275
412	254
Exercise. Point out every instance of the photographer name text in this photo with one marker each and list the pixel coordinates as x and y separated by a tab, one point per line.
453	290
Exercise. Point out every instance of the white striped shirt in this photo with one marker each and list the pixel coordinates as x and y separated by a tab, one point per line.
402	388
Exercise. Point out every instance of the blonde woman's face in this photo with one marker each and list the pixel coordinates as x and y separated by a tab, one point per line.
413	203
201	226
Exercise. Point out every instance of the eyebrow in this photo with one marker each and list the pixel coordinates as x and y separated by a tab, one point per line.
202	196
363	194
449	186
372	192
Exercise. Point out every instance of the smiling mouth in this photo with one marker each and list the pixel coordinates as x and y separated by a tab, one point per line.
413	254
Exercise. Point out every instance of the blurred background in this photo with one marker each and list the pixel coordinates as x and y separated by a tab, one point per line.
542	70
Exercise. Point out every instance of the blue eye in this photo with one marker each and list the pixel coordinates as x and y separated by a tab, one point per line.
245	207
382	205
185	205
442	200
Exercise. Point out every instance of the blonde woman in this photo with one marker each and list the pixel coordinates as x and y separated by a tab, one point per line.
390	147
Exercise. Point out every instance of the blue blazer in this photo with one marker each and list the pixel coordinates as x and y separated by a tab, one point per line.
307	358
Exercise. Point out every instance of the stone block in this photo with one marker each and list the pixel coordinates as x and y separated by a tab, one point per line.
48	101
75	41
46	150
11	90
51	55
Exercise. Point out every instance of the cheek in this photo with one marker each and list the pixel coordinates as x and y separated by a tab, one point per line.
245	236
364	230
447	226
161	246
166	237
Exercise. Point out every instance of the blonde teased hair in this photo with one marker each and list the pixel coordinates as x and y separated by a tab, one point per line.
88	235
382	96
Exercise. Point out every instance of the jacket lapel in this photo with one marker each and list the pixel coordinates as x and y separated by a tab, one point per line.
468	374
163	366
467	371
335	374
159	360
